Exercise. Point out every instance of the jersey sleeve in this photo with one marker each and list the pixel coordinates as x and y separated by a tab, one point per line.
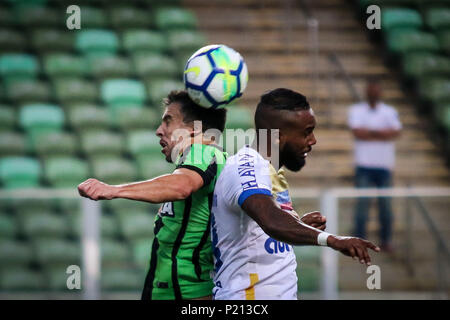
248	174
201	159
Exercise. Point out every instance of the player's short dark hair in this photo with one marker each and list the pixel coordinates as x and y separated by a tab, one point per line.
210	118
280	99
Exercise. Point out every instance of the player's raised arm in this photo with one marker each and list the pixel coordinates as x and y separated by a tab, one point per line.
284	227
171	187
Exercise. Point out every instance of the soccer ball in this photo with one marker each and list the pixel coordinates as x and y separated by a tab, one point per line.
215	75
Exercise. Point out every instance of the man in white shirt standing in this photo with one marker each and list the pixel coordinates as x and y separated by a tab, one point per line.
374	125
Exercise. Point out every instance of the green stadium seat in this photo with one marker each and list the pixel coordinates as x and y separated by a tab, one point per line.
136	225
39	225
7	18
239	117
114	252
93	17
57	252
438	18
121	279
143	41
110	67
175	18
155	66
37	16
21	279
158	89
88	117
142	250
54	144
75	90
12	41
123	91
65	66
407	41
30	206
7	118
56	278
143	142
185	41
65	172
18	67
52	40
12	144
133	118
97	42
308	278
396	18
444	41
119	206
19	172
123	17
28	90
114	170
101	143
8	227
15	253
41	118
308	254
387	3
435	89
108	225
442	115
151	166
422	64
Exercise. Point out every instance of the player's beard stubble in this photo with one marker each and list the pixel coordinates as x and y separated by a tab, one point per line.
292	159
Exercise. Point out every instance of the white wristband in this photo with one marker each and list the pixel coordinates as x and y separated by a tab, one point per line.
322	238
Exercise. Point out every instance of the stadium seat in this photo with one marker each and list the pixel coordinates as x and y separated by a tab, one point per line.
133	118
31	206
142	250
239	117
21	279
8	227
28	90
174	18
185	41
52	40
39	16
396	18
54	144
155	66
442	115
56	278
308	254
65	172
57	252
97	42
88	117
93	17
110	67
75	90
12	144
7	118
136	225
123	92
7	18
19	172
41	118
444	41
108	225
114	170
158	89
119	206
438	18
101	143
407	41
18	67
40	225
422	64
143	41
12	41
15	253
308	278
151	166
121	279
114	252
435	89
123	17
143	142
65	66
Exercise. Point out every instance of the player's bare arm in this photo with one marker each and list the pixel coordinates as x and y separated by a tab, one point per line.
281	226
171	187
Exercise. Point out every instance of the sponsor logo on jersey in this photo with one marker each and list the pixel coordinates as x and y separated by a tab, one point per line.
273	246
284	200
246	170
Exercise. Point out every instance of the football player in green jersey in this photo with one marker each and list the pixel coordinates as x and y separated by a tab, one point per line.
181	258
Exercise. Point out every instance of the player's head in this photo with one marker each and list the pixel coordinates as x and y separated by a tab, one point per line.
179	115
288	111
373	91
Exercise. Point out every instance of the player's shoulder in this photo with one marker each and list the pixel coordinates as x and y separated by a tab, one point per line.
246	155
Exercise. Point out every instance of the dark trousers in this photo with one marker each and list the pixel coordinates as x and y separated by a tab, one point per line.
380	178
